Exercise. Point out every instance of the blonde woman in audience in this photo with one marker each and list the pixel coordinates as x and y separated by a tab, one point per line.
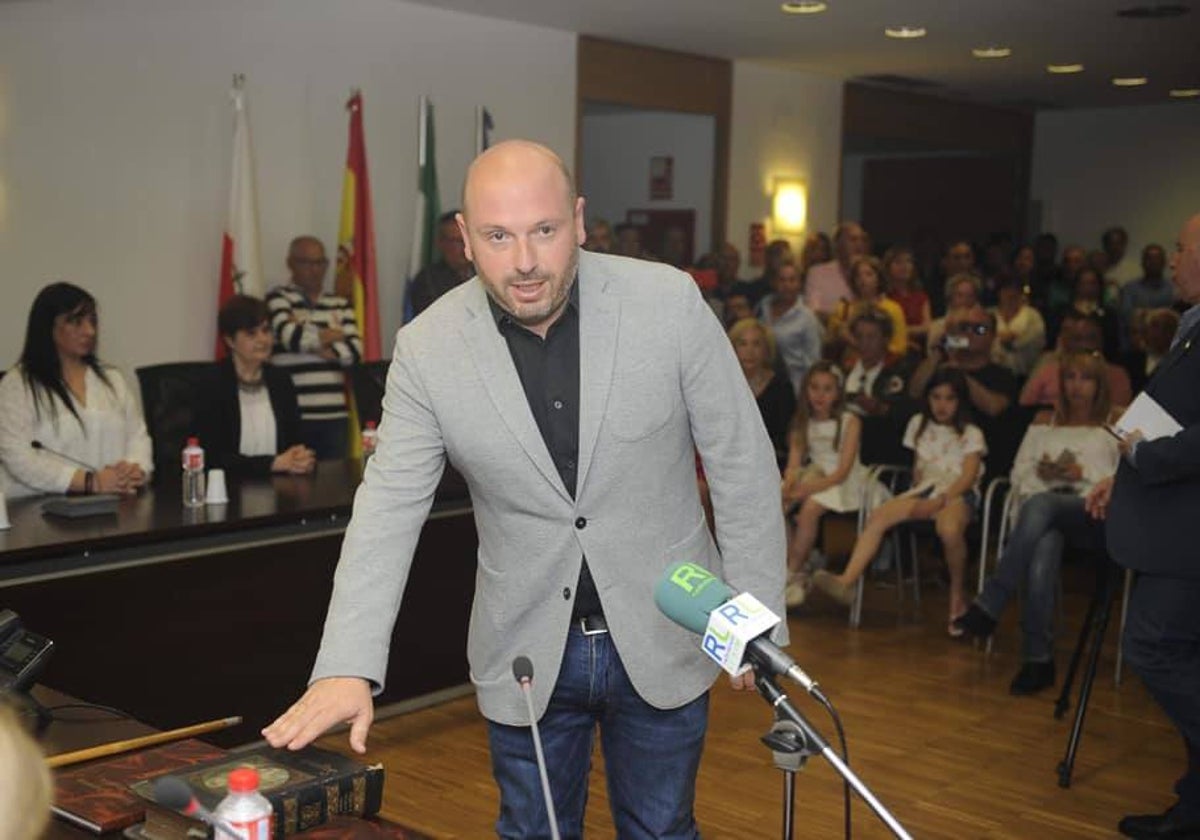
1064	454
866	282
1020	329
754	344
962	292
24	782
904	287
823	470
77	410
948	463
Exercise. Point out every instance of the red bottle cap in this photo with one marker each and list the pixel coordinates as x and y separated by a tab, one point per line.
370	424
193	441
243	780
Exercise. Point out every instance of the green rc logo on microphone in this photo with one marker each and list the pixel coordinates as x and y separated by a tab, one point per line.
691	578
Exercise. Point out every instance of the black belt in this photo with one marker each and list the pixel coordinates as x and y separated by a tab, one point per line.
592	625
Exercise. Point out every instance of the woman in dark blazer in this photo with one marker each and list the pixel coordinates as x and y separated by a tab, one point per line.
248	420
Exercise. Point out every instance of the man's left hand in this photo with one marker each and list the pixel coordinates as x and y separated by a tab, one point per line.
1126	443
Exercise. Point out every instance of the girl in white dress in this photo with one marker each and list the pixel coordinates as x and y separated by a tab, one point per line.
823	471
947	467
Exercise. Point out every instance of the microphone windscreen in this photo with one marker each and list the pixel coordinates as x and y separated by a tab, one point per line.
172	792
522	668
687	593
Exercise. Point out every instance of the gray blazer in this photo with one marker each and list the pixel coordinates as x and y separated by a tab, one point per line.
658	380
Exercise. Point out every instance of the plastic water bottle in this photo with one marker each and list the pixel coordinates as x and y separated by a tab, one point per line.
193	474
245	809
370	437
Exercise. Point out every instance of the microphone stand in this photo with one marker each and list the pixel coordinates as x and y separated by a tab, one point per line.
791	751
786	711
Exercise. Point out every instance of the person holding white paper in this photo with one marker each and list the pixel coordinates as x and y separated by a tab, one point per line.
1151	511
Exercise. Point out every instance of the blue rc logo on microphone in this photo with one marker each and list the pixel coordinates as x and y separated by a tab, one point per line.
731	627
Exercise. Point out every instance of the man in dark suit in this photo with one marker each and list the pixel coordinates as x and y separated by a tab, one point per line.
1154	498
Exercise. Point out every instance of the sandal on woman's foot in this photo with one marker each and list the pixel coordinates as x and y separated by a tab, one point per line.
834	588
975	622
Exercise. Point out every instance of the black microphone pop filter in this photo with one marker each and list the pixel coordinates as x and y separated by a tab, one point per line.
522	668
173	792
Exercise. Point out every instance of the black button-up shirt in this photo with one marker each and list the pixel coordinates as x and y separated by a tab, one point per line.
549	373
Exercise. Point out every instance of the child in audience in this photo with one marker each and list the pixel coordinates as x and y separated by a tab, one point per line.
948	463
823	471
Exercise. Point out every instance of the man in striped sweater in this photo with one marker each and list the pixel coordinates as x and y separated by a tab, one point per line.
316	336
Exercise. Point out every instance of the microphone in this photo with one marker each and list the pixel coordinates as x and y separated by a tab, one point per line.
174	793
37	444
689	594
522	669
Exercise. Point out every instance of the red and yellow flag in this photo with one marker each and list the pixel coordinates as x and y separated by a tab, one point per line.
356	268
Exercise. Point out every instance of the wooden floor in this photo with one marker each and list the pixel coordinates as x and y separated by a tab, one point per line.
931	727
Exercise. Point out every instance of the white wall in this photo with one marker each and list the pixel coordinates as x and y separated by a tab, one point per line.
785	123
115	141
616	149
1136	167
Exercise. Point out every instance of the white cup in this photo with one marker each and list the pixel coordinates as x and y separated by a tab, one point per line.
217	494
4	523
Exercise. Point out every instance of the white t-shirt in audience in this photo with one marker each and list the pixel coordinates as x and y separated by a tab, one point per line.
940	452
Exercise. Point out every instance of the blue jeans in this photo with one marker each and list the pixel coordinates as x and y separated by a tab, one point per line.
651	755
1046	523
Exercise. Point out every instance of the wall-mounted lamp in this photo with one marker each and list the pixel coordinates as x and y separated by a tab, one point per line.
789	206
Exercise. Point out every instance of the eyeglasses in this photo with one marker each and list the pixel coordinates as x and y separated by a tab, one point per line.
968	327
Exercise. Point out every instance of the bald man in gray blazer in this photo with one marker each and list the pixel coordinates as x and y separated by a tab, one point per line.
588	509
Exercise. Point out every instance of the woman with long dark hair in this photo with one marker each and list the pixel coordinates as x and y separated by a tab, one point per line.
68	423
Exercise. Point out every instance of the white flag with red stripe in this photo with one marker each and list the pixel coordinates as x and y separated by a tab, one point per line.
241	268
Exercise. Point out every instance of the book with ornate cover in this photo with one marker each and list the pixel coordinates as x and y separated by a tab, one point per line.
338	828
96	795
306	788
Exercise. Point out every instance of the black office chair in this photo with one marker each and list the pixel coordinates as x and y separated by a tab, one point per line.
169	394
367	380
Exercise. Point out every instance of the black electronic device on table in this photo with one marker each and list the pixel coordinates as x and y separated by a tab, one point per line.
76	507
23	654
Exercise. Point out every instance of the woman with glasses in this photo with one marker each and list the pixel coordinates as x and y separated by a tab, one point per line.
69	423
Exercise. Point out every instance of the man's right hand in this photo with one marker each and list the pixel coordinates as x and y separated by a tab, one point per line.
329	335
327	702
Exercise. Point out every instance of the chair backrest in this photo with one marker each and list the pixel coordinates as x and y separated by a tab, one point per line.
169	395
368	380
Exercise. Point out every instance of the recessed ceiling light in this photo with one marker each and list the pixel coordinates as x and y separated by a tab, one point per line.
905	32
805	7
1130	81
1185	93
991	52
1064	68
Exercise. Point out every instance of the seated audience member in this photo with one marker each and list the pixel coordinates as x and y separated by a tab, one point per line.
948	463
728	262
675	248
962	292
1062	283
1156	331
1024	268
27	788
316	336
629	242
877	388
991	388
754	345
1065	453
1020	330
249	421
904	287
958	258
828	283
824	471
62	397
1087	298
777	253
818	248
1045	269
737	307
452	268
866	287
995	267
1120	266
797	330
599	237
1151	291
1080	334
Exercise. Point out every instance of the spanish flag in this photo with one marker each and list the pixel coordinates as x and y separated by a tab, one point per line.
356	263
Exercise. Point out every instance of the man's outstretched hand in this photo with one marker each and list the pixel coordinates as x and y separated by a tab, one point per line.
327	702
